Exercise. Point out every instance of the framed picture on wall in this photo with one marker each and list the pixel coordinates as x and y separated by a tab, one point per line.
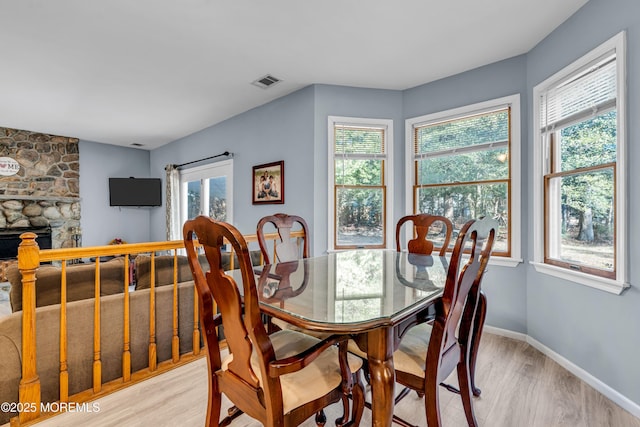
268	183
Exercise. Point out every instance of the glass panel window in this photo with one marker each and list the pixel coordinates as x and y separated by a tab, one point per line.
585	228
462	165
207	190
193	199
359	168
580	171
360	215
466	202
580	193
217	206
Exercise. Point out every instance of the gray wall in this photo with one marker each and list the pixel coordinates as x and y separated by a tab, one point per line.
505	286
279	130
100	222
593	329
361	103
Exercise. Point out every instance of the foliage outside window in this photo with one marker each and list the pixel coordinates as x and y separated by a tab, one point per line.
206	190
580	147
359	160
461	163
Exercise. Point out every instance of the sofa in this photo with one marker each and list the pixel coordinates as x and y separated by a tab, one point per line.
80	307
80	282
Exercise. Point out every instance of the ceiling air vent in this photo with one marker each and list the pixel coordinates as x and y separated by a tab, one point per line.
266	81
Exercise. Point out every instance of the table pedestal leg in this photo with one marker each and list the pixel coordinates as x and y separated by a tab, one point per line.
382	373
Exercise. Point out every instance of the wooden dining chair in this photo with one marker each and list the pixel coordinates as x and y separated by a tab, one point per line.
287	249
264	376
429	352
420	244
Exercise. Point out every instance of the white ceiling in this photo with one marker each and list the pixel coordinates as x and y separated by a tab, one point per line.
153	71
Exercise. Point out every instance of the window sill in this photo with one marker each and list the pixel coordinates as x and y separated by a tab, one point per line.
504	261
607	285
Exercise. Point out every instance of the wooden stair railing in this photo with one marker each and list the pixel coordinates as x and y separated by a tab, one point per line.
30	257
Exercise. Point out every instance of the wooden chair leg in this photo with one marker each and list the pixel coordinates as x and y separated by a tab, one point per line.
478	324
347	383
464	380
232	414
213	410
342	421
432	400
357	396
321	418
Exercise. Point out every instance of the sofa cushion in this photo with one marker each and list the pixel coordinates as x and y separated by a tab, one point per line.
80	282
164	268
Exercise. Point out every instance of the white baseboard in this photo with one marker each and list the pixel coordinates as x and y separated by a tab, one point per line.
613	395
505	333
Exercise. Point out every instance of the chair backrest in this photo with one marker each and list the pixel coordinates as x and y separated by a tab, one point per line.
456	310
287	249
421	224
240	314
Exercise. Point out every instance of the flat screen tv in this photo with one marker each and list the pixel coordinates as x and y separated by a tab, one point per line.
135	192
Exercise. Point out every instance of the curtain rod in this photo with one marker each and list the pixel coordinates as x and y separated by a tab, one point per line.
226	153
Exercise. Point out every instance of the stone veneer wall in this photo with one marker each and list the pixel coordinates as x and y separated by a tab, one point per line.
46	190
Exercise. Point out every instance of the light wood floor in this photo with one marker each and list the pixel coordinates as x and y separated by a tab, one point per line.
520	388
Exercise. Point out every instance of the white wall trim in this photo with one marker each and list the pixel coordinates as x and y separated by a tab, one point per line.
617	43
387	124
515	157
607	391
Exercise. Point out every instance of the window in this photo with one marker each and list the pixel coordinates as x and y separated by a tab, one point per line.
359	182
464	164
580	180
207	190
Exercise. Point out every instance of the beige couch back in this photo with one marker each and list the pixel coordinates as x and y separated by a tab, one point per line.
80	282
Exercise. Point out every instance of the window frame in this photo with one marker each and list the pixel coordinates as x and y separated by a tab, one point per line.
512	101
540	165
202	173
387	172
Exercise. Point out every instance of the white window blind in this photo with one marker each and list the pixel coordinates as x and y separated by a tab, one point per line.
590	90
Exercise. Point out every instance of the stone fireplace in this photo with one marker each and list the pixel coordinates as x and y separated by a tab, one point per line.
44	196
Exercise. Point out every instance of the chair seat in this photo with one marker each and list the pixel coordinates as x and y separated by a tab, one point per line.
411	355
289	327
313	381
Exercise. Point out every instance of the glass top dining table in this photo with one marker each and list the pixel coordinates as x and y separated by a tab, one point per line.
345	290
374	295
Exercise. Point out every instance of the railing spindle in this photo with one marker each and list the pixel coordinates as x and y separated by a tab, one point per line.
126	351
195	341
64	373
175	341
97	362
153	359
